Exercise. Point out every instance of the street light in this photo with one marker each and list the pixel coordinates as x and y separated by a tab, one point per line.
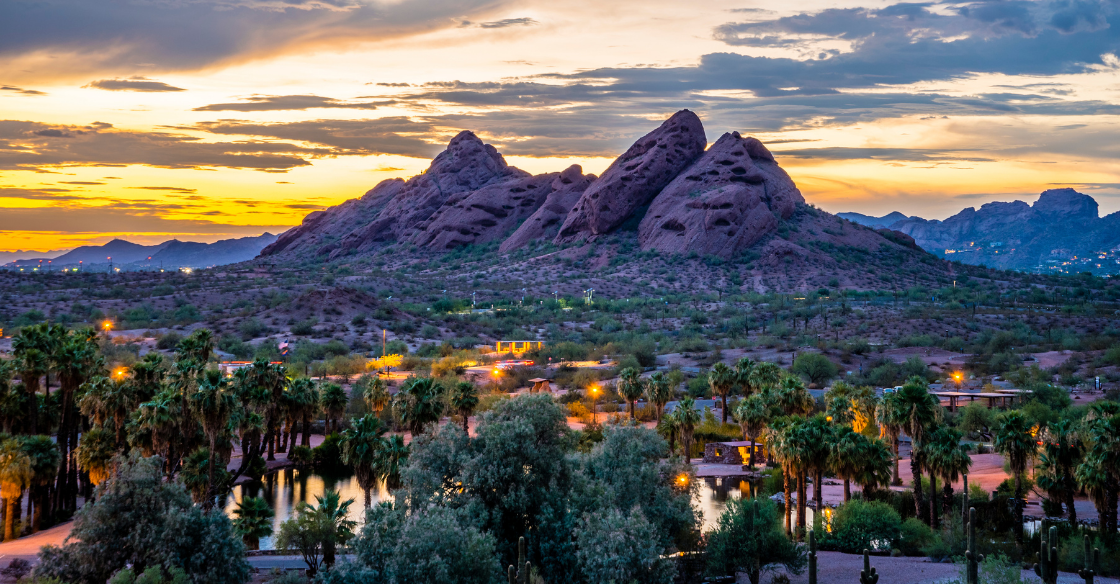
594	403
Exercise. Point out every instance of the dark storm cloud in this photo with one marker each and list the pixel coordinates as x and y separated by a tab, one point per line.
140	84
31	146
122	36
261	103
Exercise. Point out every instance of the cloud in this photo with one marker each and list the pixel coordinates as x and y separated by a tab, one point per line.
389	135
78	218
32	146
508	22
21	90
884	154
171	189
74	37
260	103
141	84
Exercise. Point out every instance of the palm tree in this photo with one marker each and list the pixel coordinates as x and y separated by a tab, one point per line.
1098	471
658	392
95	453
390	459
781	448
947	460
337	527
1015	440
721	379
105	399
376	395
766	375
464	399
630	387
196	475
214	403
891	415
670	428
15	476
744	375
361	446
33	349
333	400
1061	452
817	449
197	346
875	470
418	404
753	414
45	458
687	418
303	402
253	521
792	397
847	456
160	417
75	361
922	410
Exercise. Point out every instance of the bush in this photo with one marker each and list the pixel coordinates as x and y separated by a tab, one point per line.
860	525
815	366
915	536
304	328
301	456
139	520
169	341
328	455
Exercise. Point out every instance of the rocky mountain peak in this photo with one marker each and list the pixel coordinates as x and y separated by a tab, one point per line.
635	178
1065	203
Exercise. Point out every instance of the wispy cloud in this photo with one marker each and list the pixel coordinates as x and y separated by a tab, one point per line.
260	103
21	90
140	84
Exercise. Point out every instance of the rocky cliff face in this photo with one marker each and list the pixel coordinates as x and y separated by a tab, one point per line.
1061	224
723	203
681	199
636	177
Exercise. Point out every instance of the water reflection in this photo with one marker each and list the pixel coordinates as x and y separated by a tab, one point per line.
716	491
285	489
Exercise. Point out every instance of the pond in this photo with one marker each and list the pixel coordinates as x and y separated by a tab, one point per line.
283	490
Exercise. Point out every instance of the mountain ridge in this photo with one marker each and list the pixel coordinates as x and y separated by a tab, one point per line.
172	253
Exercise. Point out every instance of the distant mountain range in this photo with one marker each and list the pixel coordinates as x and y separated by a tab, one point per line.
171	254
1062	231
14	256
869	221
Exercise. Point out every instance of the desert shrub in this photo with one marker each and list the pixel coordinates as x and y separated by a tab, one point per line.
915	536
304	327
169	341
860	525
328	455
301	456
252	328
814	366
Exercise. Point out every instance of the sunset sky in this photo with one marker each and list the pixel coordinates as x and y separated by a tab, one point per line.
208	119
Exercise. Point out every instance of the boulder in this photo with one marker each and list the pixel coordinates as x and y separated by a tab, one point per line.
727	200
545	222
466	165
635	178
488	214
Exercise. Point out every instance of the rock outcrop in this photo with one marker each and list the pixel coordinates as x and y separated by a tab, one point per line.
320	230
727	200
545	222
635	178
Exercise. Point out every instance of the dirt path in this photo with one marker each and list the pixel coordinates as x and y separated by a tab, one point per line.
837	568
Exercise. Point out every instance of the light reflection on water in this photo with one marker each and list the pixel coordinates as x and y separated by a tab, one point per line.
283	490
715	492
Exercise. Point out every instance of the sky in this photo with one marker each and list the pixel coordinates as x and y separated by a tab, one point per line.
210	119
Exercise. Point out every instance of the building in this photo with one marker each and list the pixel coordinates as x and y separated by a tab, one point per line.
518	347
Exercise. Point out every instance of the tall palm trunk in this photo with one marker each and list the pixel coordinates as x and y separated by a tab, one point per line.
895	443
1018	508
466	423
32	390
786	492
369	498
307	429
916	472
801	504
10	518
847	489
933	520
1069	506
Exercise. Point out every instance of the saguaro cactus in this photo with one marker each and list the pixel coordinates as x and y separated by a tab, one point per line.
813	557
972	574
1047	566
868	575
520	574
1092	561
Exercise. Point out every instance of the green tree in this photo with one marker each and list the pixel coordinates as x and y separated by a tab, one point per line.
922	410
686	419
766	376
749	539
744	376
390	458
33	349
847	458
214	404
1015	440
463	401
722	379
305	396
630	387
15	477
253	521
361	446
792	398
947	460
658	392
1057	464
419	404
45	458
815	366
875	472
753	415
316	532
892	416
620	546
333	401
95	453
140	520
438	546
376	395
